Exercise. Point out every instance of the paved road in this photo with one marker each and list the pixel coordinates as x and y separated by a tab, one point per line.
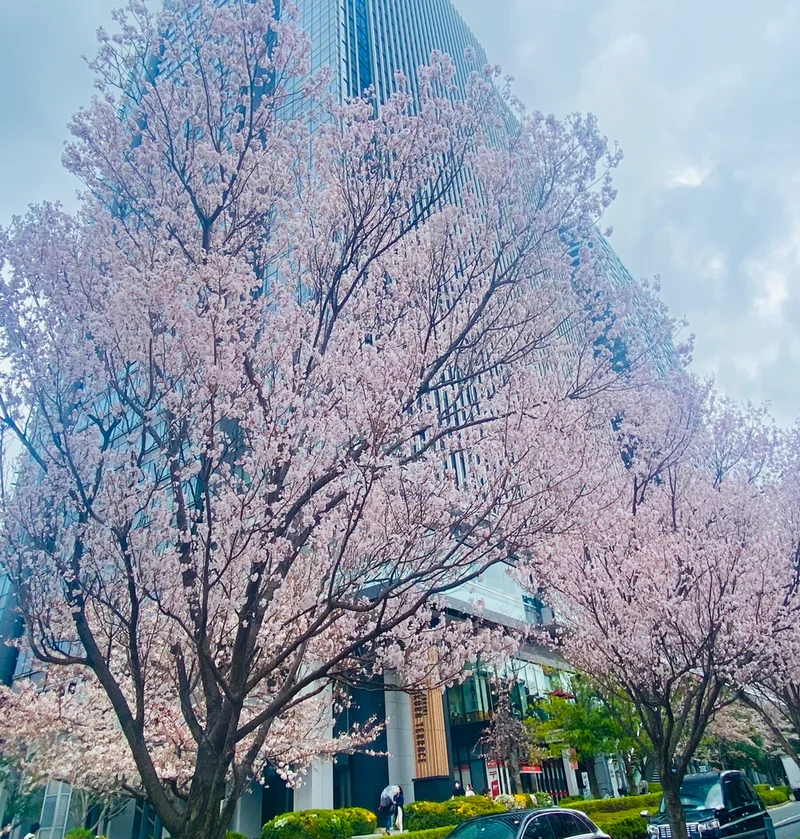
786	819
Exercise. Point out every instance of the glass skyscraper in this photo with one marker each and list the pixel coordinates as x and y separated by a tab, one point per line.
365	42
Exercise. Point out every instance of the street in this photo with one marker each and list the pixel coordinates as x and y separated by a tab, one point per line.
786	819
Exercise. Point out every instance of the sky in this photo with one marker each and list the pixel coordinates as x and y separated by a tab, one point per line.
703	98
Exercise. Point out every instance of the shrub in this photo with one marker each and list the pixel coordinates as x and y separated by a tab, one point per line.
571	799
232	834
625	825
80	833
424	815
308	824
362	822
616	805
655	787
523	801
542	799
507	801
773	795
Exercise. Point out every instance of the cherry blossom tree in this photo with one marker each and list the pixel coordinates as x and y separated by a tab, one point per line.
277	391
668	598
775	691
507	739
738	737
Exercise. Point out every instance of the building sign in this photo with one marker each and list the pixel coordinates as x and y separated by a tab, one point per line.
430	741
493	777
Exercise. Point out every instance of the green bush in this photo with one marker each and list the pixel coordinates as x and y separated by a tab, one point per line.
773	796
616	805
424	815
572	799
80	833
232	834
655	787
308	824
362	822
433	833
625	825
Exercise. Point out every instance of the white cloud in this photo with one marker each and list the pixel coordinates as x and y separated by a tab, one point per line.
775	292
708	115
690	176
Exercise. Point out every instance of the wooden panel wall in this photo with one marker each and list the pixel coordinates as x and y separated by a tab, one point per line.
430	739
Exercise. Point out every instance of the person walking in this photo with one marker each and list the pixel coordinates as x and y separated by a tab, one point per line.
385	815
398	804
31	834
469	791
457	789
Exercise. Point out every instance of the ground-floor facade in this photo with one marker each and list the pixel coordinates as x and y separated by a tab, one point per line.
428	741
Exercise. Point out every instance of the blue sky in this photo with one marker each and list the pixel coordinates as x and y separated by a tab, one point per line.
704	99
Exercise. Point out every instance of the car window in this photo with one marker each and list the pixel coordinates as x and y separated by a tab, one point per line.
538	828
496	827
732	797
742	791
589	825
754	796
736	793
565	825
700	793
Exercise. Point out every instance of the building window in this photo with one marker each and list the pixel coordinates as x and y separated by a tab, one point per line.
146	824
537	611
55	810
470	701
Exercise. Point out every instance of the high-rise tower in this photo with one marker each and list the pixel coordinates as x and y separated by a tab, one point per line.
366	42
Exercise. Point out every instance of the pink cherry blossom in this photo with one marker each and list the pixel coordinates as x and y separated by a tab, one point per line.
277	392
675	596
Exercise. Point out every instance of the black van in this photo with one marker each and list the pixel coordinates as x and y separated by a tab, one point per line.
717	805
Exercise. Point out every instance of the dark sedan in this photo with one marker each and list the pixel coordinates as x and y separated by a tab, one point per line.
553	823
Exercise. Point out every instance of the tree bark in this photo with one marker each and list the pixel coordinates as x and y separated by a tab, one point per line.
671	787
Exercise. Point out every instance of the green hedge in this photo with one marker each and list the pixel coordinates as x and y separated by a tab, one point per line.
362	822
424	815
615	805
320	824
773	796
625	825
655	787
308	824
232	834
81	833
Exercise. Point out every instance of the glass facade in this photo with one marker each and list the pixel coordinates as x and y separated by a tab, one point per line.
470	707
10	628
366	42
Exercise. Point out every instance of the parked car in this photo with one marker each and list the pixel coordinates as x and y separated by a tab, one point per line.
718	805
550	823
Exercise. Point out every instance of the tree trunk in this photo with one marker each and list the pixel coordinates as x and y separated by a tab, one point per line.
671	787
205	820
206	817
516	776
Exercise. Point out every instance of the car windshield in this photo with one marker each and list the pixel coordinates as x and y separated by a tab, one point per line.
497	827
699	794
